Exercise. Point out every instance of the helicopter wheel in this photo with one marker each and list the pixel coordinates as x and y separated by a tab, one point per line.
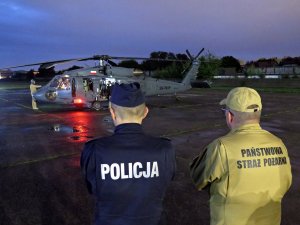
96	105
177	98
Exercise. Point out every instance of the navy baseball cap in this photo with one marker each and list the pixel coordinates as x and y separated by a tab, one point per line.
127	95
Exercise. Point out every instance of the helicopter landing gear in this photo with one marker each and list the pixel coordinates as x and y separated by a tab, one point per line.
177	98
96	105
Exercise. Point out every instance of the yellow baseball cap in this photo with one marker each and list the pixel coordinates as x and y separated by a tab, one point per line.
243	99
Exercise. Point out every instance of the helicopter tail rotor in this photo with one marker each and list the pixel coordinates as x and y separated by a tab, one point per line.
199	53
193	57
189	54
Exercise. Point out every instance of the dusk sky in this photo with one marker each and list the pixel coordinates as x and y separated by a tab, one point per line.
41	30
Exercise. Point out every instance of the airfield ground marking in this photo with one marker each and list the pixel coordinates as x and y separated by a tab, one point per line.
18	104
3	99
28	162
24	106
28	107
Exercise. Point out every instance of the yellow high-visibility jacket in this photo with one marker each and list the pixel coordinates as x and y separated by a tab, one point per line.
33	88
249	172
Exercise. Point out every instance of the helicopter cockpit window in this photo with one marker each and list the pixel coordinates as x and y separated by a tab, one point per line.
88	84
62	83
54	83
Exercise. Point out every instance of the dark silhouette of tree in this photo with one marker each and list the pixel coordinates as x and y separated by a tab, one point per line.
290	61
30	74
182	57
229	62
209	66
161	55
263	63
148	65
43	72
164	66
129	64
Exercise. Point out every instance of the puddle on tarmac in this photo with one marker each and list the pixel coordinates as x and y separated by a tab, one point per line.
67	129
61	129
80	130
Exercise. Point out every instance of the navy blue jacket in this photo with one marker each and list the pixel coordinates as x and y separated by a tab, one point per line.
128	173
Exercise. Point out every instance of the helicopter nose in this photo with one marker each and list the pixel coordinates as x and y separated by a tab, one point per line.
39	95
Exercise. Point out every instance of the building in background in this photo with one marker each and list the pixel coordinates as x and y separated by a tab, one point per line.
4	74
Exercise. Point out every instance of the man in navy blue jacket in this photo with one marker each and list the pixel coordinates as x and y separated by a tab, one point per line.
128	172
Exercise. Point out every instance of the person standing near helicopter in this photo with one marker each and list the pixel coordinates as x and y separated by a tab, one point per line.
33	88
128	172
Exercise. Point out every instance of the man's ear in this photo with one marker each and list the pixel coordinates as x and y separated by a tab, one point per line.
145	112
230	116
112	113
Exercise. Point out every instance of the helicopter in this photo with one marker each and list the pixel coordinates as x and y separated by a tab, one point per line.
91	87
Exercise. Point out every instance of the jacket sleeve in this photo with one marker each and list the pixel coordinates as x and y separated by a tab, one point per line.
209	166
88	166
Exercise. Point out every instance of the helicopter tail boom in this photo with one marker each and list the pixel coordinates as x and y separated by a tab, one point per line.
193	69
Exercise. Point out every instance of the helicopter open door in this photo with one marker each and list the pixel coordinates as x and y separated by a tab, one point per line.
82	91
103	91
91	91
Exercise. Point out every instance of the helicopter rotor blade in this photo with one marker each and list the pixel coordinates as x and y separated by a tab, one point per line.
49	64
46	65
148	59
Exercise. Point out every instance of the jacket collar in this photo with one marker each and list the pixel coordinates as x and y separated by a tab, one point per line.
251	126
126	128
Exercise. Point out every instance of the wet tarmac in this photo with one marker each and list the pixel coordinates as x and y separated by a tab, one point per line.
40	180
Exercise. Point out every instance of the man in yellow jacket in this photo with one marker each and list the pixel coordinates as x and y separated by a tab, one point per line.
248	170
33	88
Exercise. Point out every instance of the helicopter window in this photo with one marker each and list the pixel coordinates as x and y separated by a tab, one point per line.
64	83
54	83
88	84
